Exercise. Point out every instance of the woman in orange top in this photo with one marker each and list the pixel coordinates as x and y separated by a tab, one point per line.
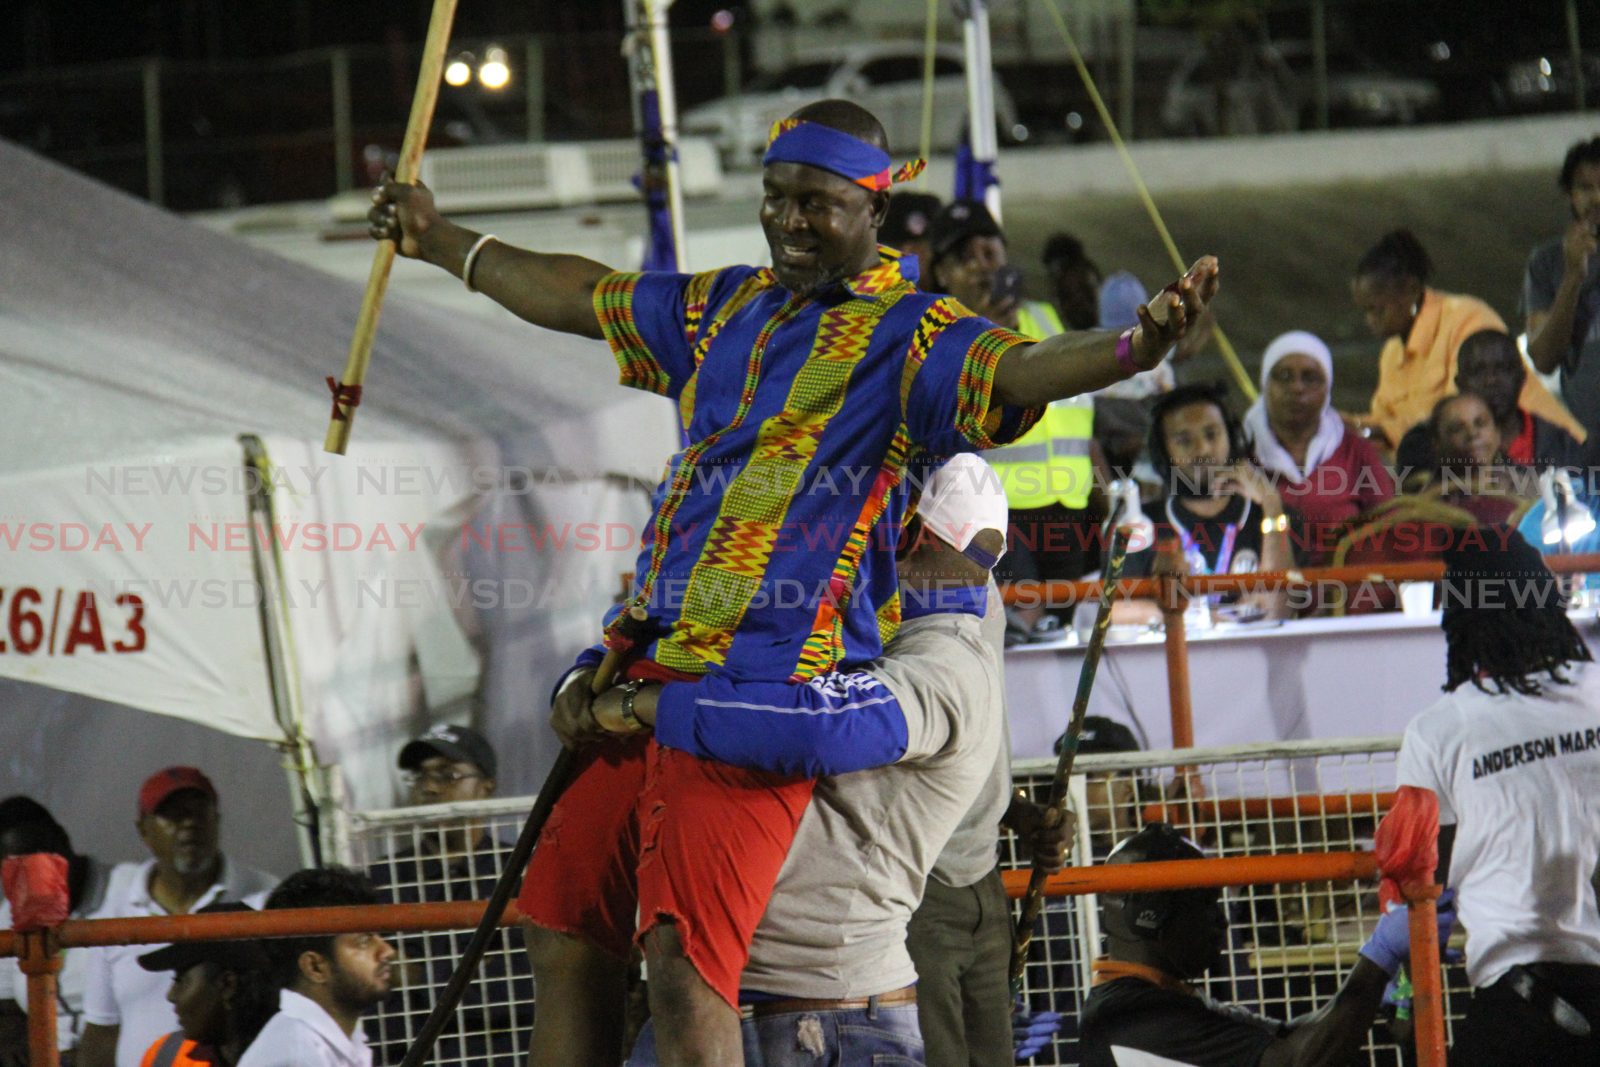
1422	330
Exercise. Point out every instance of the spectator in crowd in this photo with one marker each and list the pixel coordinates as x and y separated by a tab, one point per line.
1328	476
124	1005
223	995
1111	798
929	717
1473	472
447	765
1220	512
1512	753
1561	291
1143	1008
1074	281
1422	329
26	826
906	225
327	983
1048	472
1490	367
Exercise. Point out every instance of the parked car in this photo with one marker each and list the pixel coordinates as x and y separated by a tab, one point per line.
884	78
1545	83
1272	90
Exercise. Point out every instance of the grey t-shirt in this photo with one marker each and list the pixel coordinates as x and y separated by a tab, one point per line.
972	850
836	924
1580	365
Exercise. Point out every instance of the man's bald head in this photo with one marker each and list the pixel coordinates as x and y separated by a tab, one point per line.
846	117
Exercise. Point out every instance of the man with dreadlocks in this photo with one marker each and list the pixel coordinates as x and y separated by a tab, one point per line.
1513	754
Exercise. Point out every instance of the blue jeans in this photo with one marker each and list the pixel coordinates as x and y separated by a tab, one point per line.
879	1037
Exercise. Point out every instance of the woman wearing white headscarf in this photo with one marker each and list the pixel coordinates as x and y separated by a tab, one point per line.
1324	474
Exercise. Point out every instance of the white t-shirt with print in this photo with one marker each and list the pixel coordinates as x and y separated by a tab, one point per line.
1519	778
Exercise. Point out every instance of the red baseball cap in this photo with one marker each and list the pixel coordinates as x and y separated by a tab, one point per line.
162	784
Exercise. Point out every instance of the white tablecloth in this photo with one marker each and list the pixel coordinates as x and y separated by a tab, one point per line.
1313	678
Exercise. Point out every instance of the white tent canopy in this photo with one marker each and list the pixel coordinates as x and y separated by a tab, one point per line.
136	350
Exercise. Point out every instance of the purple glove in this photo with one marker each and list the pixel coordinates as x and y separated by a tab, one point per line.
1390	943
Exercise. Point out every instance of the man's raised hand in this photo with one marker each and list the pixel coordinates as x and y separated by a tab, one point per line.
1174	312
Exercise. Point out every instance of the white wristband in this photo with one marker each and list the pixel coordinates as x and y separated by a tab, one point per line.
471	261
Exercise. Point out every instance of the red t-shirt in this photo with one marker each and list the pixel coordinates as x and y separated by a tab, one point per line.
1350	482
1520	450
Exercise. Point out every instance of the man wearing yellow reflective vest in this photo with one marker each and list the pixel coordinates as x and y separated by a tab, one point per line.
1047	473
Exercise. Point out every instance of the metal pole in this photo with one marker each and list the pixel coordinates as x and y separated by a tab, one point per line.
343	138
732	66
1576	44
41	963
667	100
1426	987
1177	644
154	181
980	93
1319	60
1126	29
534	88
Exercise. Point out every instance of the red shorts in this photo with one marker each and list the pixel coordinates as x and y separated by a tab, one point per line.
654	832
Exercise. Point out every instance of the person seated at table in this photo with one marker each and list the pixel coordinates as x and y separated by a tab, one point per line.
1220	514
1327	475
1473	472
1490	366
1422	330
1143	1008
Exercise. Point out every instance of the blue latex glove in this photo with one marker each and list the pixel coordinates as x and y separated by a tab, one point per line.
1033	1032
1390	943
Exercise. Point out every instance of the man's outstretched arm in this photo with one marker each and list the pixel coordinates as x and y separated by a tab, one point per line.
551	290
1077	362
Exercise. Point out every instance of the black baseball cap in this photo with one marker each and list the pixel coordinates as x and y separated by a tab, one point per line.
909	217
960	220
236	955
459	743
1102	735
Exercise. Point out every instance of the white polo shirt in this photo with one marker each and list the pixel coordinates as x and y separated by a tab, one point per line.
1519	778
119	992
74	962
302	1034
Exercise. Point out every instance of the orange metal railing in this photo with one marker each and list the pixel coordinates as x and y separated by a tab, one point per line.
39	951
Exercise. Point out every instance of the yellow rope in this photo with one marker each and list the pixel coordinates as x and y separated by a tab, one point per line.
1229	356
930	42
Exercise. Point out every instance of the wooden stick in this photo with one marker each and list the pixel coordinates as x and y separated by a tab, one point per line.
347	390
1033	901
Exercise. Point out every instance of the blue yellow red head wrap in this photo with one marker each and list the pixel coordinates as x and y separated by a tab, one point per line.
823	147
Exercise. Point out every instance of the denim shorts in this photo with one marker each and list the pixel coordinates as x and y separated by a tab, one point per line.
883	1037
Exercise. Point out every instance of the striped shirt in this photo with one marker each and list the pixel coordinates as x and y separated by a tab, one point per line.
766	557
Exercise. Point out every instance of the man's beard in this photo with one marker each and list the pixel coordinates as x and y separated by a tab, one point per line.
808	283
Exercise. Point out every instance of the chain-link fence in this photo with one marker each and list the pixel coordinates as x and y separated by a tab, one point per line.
1290	946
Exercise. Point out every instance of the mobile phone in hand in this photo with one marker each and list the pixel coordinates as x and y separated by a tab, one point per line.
1007	286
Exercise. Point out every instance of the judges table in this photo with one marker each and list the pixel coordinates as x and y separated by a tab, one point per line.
1361	676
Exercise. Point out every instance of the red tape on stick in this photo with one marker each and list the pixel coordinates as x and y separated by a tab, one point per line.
349	396
1407	843
36	886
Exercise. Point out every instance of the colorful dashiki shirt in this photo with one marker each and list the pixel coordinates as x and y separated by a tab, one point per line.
767	558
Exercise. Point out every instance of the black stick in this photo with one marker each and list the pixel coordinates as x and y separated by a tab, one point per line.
633	630
1033	901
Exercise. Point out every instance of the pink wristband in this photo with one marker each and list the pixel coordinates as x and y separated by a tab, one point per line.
1125	352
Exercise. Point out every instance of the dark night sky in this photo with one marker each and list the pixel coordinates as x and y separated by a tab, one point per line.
40	33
